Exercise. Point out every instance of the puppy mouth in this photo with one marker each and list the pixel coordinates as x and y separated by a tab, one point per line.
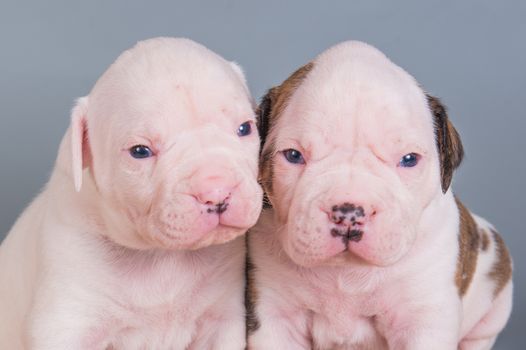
213	228
219	208
348	234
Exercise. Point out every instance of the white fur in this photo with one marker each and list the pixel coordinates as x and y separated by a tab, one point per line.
120	253
353	117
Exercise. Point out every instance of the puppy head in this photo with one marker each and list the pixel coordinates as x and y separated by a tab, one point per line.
353	151
168	137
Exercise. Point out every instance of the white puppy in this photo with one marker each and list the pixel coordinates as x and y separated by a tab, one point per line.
366	247
142	255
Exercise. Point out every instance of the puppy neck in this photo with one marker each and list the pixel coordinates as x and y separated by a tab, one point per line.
438	220
87	205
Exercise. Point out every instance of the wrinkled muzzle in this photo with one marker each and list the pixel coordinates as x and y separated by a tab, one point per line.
212	199
339	216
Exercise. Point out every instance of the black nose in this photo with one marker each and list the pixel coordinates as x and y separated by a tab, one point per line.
347	214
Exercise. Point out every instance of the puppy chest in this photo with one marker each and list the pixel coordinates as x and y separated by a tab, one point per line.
168	323
346	321
161	327
344	331
169	328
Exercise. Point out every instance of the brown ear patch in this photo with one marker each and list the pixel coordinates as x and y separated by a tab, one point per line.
252	321
502	268
266	170
468	242
263	113
450	149
268	113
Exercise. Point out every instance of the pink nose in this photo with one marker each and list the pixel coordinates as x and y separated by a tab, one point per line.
213	189
214	196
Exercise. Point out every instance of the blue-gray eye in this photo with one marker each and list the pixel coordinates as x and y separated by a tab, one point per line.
244	129
293	156
409	160
140	151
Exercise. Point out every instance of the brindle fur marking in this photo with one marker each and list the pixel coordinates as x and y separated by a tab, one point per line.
502	268
484	240
468	241
268	113
252	322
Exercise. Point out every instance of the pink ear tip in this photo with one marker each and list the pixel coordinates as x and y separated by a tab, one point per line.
77	139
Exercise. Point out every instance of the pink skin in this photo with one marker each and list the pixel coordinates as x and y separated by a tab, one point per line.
204	158
353	117
354	160
120	252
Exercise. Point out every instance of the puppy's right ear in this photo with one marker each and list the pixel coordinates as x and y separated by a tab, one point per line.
276	99
241	76
450	149
263	114
80	154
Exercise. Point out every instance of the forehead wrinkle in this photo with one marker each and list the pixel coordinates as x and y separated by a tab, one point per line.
220	106
377	109
352	70
363	123
159	126
309	112
182	111
395	143
146	77
316	131
354	95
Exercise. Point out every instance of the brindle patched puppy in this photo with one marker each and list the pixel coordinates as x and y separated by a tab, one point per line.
365	246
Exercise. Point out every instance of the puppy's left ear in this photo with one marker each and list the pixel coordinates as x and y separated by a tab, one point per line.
239	72
80	154
450	149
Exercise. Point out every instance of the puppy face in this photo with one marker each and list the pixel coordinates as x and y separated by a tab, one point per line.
169	138
353	153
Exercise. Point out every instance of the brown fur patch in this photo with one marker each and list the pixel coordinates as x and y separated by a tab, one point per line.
468	241
502	268
450	149
268	112
484	239
252	322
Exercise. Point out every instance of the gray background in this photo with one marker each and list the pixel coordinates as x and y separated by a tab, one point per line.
469	53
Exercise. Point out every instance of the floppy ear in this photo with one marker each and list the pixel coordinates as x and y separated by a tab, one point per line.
448	142
263	115
270	108
80	154
239	72
276	100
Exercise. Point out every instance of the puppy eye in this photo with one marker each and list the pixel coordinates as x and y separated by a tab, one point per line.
244	129
409	160
293	156
140	152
